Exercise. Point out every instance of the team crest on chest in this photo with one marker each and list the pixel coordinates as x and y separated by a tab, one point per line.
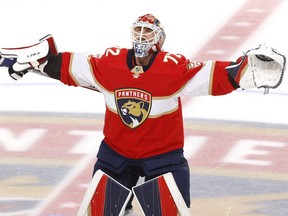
133	106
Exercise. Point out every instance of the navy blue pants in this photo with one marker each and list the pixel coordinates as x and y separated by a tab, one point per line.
127	171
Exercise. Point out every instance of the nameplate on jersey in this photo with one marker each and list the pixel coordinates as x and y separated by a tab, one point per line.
133	106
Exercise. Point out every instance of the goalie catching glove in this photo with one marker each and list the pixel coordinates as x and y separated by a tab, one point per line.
266	68
28	58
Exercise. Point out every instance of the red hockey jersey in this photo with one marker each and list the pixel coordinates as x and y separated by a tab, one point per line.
143	107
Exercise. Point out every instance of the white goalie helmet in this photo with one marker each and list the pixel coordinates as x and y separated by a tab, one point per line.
147	35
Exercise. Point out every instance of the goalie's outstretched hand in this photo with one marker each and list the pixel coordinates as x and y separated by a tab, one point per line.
266	68
23	59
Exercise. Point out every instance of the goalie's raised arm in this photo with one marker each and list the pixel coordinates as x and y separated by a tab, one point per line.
20	60
265	68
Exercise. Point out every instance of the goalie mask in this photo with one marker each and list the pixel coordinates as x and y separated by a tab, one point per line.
147	35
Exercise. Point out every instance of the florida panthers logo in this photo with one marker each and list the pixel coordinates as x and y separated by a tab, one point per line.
133	106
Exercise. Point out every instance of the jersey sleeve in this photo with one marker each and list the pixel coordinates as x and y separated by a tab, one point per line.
216	78
77	71
73	69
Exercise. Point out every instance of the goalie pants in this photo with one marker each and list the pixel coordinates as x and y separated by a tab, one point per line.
127	171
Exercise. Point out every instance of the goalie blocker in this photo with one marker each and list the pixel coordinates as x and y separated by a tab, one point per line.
20	60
